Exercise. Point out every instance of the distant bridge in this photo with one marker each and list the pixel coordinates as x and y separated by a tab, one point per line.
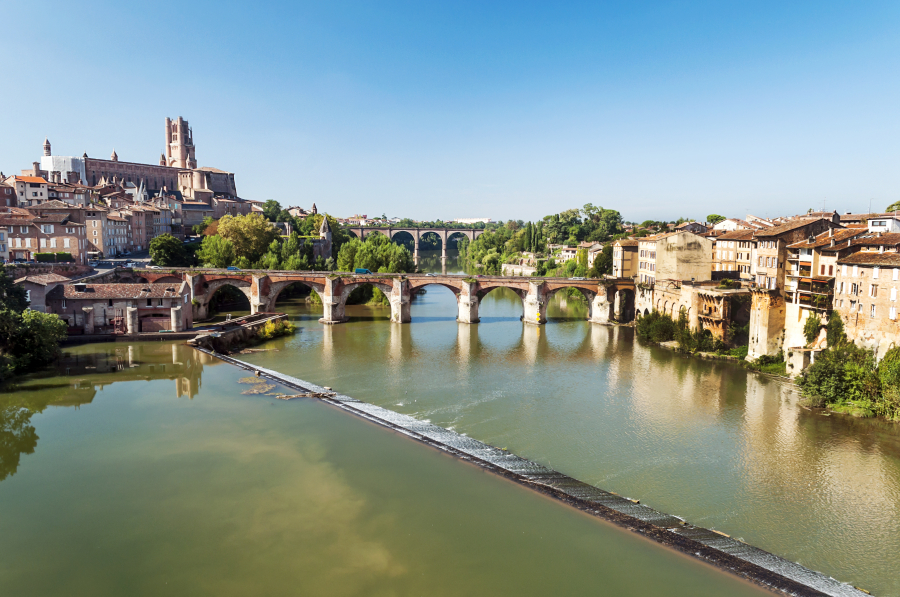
609	299
444	234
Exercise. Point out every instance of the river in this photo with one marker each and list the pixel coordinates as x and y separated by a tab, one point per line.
154	473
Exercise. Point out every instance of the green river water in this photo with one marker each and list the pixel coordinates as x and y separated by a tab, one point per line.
151	473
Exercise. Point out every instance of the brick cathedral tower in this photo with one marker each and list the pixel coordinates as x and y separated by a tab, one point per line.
180	144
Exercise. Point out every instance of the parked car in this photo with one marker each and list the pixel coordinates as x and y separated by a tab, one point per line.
93	263
578	278
232	268
153	267
431	274
362	270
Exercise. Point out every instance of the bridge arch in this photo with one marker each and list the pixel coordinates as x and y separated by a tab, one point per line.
276	288
404	238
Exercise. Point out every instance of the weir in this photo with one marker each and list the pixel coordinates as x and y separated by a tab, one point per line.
748	562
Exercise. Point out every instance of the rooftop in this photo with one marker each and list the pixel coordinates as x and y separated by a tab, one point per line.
789	226
872	258
43	279
119	291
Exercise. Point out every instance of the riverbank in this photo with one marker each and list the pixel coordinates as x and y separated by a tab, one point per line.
753	564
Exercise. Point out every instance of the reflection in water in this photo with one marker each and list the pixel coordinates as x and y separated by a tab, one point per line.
17	437
706	440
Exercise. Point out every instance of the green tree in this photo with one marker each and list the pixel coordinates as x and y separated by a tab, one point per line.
714	219
271	210
216	251
36	339
603	263
834	331
250	235
168	251
12	296
203	227
895	206
811	328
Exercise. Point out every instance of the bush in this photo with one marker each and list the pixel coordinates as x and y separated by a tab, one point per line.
656	327
274	329
811	328
774	365
54	257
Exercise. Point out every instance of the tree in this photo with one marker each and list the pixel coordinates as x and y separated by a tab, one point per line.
271	210
811	328
250	235
714	219
603	263
12	296
895	206
834	331
168	251
216	251
36	339
207	227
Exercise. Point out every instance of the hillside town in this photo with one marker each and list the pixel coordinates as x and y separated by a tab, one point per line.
770	274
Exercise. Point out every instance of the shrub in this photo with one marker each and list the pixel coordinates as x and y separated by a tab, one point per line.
53	257
811	328
656	327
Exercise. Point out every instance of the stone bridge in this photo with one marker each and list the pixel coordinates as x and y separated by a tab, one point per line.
609	299
444	234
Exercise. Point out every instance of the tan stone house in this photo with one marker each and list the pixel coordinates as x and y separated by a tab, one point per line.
625	258
870	282
122	308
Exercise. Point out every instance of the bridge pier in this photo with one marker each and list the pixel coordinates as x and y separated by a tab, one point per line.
332	302
600	308
535	304
400	297
467	303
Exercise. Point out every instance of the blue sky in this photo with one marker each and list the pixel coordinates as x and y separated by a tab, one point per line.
470	109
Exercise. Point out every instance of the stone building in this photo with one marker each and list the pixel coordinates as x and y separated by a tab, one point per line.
625	258
674	256
868	284
122	308
812	265
48	233
37	286
733	252
769	311
176	172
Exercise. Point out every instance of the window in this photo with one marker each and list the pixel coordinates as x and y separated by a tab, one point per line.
893	313
64	303
896	274
872	314
23	229
855	271
873	290
43	242
841	288
53	243
65	243
893	294
149	302
28	296
95	233
875	273
109	303
823	271
830	270
159	303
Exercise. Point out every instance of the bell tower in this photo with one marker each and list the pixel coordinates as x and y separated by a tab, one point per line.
180	144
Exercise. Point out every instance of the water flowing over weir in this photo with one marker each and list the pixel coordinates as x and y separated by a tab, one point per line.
726	553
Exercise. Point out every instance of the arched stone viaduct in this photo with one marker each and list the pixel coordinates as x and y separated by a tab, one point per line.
444	234
609	300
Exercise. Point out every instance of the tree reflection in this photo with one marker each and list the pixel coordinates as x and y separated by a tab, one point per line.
17	437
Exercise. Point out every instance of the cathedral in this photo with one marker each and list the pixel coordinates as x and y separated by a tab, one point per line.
176	173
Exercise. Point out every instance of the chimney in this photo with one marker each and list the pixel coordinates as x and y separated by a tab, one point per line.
832	242
830	232
881	248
